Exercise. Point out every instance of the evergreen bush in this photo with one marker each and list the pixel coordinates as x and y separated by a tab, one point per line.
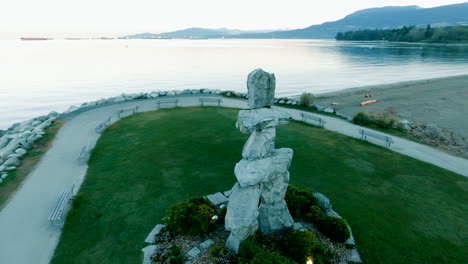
191	217
333	227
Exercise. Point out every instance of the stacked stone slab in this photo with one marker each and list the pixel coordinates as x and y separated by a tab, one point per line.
257	199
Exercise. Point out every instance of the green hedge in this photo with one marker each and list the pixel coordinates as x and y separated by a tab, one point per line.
333	227
299	201
191	217
251	252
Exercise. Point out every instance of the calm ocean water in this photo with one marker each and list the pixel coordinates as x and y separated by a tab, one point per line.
37	77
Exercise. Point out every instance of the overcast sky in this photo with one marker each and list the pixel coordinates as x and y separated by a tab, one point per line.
81	18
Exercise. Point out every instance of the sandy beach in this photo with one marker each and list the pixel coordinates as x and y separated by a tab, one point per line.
437	109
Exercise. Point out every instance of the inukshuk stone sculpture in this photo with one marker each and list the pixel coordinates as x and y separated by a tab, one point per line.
257	199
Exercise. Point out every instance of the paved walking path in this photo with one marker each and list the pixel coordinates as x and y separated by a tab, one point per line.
27	237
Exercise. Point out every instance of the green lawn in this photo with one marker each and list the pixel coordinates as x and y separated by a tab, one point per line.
401	210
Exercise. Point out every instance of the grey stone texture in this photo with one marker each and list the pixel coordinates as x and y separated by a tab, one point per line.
152	235
260	144
257	199
217	198
250	172
193	253
273	191
273	217
147	253
207	243
261	88
242	207
258	119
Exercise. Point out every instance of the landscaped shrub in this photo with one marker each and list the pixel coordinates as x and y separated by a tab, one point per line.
306	99
251	252
299	201
191	217
314	214
374	119
333	227
222	255
299	245
175	255
322	255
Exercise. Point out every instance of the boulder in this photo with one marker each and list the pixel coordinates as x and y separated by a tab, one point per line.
72	108
217	198
298	226
119	99
11	168
258	119
170	93
148	252
329	110
354	257
260	144
36	123
323	201
52	114
242	209
193	253
26	134
14	155
1	161
227	193
237	236
2	168
4	175
207	243
261	88
12	162
251	172
273	191
274	217
150	239
154	95
4	140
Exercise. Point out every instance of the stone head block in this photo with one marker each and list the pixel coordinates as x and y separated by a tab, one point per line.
261	88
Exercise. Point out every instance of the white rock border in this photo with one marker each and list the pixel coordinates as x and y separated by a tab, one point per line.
18	139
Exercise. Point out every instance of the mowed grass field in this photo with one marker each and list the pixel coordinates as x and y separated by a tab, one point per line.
401	210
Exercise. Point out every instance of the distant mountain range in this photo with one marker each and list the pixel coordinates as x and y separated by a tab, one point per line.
198	33
372	18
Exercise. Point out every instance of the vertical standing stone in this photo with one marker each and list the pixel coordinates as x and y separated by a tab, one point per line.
262	174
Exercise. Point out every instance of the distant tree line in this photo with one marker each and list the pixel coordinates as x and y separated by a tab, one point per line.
409	34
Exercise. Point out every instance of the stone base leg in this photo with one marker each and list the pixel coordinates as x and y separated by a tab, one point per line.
242	213
274	217
238	235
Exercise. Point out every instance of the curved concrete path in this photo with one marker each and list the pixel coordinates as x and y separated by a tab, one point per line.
27	237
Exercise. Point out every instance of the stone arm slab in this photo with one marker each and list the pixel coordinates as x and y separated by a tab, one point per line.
258	119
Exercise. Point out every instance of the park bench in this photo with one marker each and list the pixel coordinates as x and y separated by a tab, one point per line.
306	117
364	134
58	213
99	128
204	101
83	153
164	102
132	111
